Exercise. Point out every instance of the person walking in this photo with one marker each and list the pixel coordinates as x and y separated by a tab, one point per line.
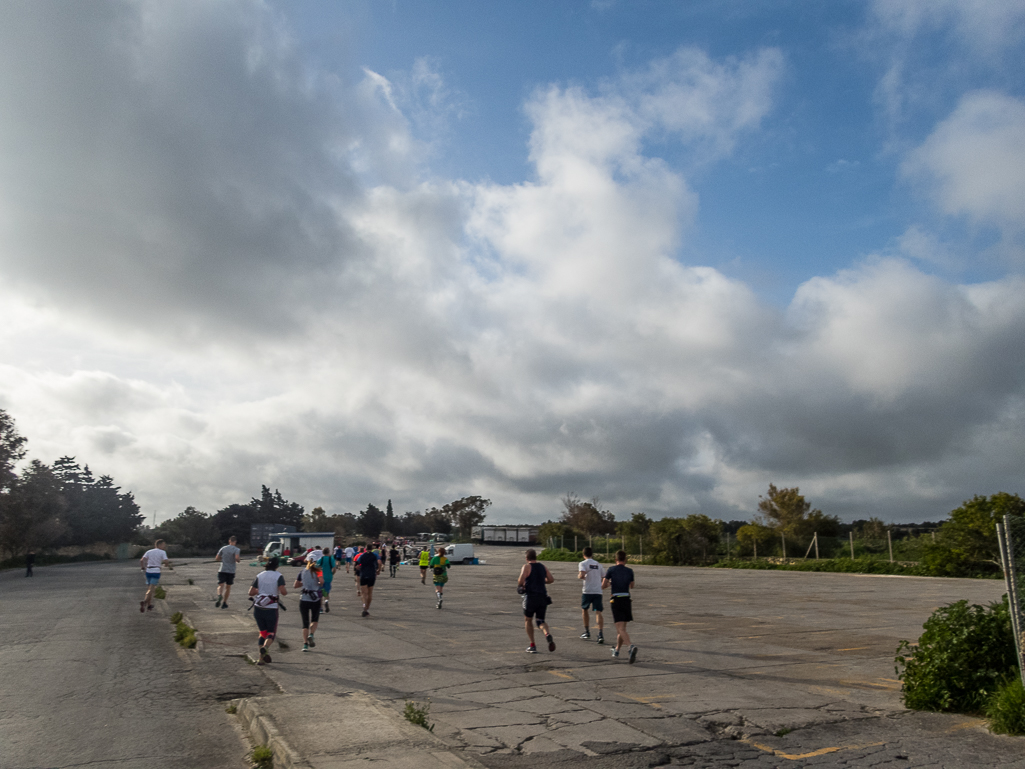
592	573
311	580
350	553
229	556
328	565
425	560
266	592
534	577
30	559
393	559
369	567
152	561
621	579
439	566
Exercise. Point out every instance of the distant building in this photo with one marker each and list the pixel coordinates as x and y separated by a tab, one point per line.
504	535
259	533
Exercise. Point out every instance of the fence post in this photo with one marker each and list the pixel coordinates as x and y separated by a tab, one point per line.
624	543
727	546
889	541
756	549
784	537
1011	583
640	544
816	546
606	545
852	544
574	543
562	541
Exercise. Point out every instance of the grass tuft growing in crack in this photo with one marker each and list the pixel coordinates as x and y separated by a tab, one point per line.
263	757
176	618
784	732
232	709
417	714
160	593
185	635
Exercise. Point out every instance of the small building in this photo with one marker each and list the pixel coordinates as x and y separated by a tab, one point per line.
259	533
504	535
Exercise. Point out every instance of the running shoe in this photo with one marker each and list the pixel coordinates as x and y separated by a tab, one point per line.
224	605
615	652
217	603
264	655
601	639
532	649
366	613
551	643
327	609
586	635
142	607
633	654
149	608
311	641
306	647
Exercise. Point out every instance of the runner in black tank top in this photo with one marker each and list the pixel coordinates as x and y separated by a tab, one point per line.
534	577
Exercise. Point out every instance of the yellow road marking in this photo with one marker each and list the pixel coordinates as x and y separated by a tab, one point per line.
964	725
562	675
673	624
854	648
812	754
869	683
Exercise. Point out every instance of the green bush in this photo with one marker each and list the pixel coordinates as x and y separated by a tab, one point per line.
176	618
1006	708
961	660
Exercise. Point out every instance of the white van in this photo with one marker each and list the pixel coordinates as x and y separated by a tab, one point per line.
460	553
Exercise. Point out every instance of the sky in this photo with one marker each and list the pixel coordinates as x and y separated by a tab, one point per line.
659	253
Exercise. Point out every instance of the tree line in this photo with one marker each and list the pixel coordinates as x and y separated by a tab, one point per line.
786	524
54	505
196	530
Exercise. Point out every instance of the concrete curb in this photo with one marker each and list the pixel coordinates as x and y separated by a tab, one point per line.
263	732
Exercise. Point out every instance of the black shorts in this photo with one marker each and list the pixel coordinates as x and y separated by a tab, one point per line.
368	581
621	609
266	620
309	611
225	578
535	606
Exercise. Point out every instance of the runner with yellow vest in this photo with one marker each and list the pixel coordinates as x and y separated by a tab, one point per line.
425	559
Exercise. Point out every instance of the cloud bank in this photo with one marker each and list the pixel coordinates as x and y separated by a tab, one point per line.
221	268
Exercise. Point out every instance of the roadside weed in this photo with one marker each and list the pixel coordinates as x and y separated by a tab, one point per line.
1006	709
185	635
417	714
160	592
263	757
176	618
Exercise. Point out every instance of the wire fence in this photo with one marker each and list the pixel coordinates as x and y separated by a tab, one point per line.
892	547
1011	538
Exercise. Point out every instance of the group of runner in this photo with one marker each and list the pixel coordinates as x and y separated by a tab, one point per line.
315	582
533	582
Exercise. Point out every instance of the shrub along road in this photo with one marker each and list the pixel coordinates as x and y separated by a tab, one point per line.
89	681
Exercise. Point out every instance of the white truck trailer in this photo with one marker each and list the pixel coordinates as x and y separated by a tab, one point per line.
293	543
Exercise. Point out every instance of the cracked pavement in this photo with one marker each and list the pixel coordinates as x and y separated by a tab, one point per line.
736	668
88	681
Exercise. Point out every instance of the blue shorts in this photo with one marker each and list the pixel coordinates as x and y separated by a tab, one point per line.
152	579
326	587
590	601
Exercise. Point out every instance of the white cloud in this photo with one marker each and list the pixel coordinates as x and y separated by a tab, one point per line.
224	270
973	163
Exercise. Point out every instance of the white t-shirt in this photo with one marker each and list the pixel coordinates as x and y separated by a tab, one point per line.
350	552
153	559
595	573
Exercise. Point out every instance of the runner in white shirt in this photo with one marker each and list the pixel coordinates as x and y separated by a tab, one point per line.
592	573
151	563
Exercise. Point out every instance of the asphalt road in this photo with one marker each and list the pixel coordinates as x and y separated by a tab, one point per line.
736	668
89	681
